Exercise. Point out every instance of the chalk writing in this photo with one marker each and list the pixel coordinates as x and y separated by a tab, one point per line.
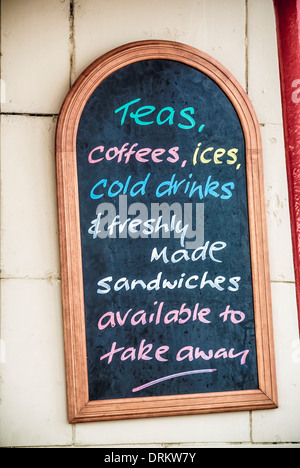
170	377
165	236
167	115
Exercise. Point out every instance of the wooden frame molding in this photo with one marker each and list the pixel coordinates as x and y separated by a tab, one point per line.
80	409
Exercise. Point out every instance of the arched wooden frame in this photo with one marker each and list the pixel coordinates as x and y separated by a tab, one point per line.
80	409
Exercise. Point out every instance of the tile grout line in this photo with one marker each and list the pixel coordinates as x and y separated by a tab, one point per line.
1	246
251	426
72	42
27	114
53	277
246	47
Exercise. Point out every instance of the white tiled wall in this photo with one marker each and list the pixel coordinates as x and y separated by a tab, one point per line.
102	25
35	60
44	49
33	382
29	215
264	88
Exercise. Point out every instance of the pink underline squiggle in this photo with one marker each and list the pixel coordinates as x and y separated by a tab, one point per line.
173	376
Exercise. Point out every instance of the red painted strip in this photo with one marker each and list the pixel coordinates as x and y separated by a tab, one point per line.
287	14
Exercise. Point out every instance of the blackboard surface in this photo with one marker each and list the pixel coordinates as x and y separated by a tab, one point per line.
164	314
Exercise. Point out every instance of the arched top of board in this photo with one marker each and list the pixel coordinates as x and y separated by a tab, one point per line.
134	52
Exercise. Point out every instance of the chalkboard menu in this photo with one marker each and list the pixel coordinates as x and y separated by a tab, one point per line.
165	278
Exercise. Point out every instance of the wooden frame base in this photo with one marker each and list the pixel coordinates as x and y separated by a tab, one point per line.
80	409
220	402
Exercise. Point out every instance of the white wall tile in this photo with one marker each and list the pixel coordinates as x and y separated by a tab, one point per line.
33	408
264	81
29	232
35	54
283	424
198	429
277	204
217	28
